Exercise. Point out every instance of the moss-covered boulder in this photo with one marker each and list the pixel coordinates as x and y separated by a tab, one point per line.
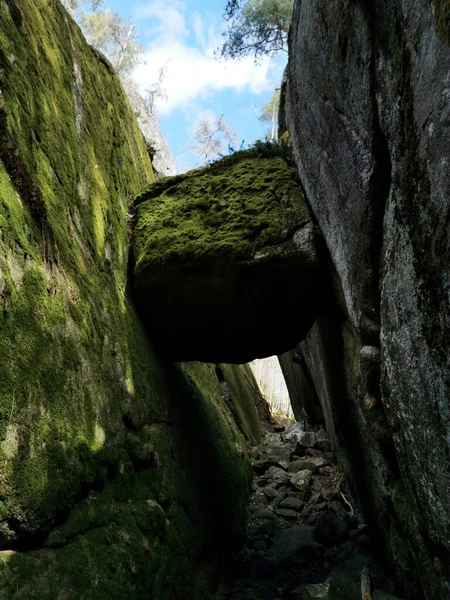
224	257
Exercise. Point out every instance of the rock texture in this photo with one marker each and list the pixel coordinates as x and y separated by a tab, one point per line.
368	112
270	378
223	255
121	475
162	161
303	538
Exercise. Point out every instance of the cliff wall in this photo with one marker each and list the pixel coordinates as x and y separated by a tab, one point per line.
119	472
368	112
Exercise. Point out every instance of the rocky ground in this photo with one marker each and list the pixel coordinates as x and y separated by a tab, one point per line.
303	539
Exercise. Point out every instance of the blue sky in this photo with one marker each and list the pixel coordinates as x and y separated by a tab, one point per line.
183	34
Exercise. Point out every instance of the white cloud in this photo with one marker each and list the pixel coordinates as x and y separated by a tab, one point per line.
187	45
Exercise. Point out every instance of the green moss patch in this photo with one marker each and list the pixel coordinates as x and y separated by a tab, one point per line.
231	209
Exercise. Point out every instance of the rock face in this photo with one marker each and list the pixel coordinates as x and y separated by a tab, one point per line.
222	254
121	475
162	161
368	112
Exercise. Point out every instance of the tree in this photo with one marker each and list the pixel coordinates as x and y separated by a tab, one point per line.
156	90
107	31
73	5
210	137
269	113
256	27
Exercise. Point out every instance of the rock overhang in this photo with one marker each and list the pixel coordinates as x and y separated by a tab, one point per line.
226	261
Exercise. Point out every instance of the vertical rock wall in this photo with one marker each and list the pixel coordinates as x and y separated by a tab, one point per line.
270	378
121	475
368	109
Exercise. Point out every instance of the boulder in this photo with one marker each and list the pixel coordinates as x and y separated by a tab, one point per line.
276	476
306	439
224	256
292	503
311	463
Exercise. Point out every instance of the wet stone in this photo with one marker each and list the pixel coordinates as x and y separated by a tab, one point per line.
286	513
276	501
292	503
270	492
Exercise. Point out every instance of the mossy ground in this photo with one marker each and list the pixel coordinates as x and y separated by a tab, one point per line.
98	477
232	208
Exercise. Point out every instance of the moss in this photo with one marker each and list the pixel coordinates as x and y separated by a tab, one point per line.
119	540
412	558
244	397
442	20
234	208
92	442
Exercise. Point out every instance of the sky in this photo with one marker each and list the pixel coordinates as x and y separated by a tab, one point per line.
183	35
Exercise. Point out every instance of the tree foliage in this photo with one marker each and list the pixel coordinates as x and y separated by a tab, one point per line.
256	27
210	137
269	114
73	5
156	90
107	31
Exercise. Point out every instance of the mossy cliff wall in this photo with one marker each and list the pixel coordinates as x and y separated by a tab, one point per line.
118	472
368	114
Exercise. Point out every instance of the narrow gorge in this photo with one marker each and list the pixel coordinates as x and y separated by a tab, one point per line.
138	456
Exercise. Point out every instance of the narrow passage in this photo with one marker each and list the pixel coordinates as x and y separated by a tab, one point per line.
303	539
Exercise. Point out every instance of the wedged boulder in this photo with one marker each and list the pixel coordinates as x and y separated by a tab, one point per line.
225	256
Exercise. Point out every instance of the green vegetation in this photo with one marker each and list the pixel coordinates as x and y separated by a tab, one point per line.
142	533
442	16
244	397
256	27
269	114
234	208
96	455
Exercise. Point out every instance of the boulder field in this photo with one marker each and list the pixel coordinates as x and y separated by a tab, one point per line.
303	538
